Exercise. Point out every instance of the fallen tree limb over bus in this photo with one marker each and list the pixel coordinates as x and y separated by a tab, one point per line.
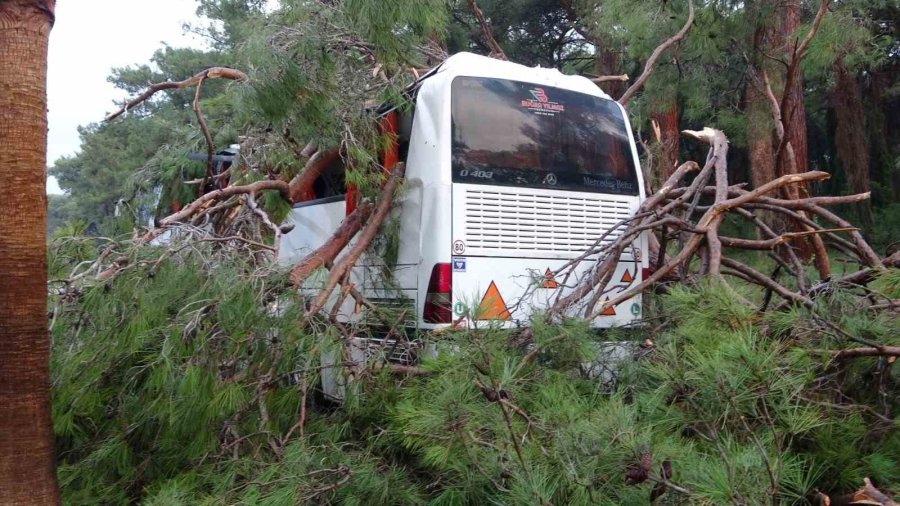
674	210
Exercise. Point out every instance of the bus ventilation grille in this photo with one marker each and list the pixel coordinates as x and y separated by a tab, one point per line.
528	222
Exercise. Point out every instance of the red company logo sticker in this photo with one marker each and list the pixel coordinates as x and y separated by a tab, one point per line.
541	103
539	94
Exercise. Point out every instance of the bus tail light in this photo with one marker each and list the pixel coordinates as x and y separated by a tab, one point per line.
645	273
437	299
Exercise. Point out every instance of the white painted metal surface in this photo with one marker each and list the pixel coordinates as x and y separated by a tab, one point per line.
534	222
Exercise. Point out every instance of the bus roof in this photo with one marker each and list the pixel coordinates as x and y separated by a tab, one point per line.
469	64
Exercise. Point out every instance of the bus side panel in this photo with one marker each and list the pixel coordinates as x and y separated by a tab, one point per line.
425	211
313	225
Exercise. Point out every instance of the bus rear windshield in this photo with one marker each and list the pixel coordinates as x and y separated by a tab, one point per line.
513	133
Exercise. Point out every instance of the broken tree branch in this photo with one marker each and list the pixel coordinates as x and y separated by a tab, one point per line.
210	145
605	79
300	187
333	246
210	73
215	195
884	351
382	208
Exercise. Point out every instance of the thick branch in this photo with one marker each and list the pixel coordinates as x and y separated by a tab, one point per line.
222	194
210	73
719	145
300	188
365	238
884	351
605	79
210	145
768	244
327	252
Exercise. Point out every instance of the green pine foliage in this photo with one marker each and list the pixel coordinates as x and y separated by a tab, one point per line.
180	381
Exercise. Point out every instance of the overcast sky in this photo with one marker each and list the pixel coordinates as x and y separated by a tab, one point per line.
91	37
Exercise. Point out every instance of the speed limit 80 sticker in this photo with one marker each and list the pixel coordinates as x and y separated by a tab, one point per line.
459	247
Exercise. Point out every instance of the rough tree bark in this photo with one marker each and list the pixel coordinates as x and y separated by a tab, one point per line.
756	109
665	114
758	119
850	137
786	111
796	127
27	473
771	40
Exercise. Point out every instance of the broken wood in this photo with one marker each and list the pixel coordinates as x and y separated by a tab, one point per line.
660	213
333	246
210	73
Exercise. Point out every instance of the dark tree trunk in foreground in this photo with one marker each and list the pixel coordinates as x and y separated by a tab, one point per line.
850	138
26	438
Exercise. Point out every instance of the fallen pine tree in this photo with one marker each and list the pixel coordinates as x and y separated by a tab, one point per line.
211	395
175	381
188	370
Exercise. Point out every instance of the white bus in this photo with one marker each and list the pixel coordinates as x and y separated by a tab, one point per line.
511	172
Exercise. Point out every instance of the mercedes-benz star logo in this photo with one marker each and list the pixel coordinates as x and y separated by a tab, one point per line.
550	179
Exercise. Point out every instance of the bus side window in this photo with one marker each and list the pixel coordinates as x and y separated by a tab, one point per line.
330	183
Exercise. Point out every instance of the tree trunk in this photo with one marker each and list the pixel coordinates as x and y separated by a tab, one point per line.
758	117
765	161
26	438
850	138
757	113
608	63
796	123
876	108
665	114
770	39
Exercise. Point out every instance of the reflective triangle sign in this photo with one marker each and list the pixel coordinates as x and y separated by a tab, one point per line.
492	306
549	281
626	278
610	311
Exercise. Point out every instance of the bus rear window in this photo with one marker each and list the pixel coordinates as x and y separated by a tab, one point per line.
520	134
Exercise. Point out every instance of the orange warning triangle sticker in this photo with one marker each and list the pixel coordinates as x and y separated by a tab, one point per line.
549	281
492	306
626	278
610	311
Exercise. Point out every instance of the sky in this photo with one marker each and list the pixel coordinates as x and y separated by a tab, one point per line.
89	38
